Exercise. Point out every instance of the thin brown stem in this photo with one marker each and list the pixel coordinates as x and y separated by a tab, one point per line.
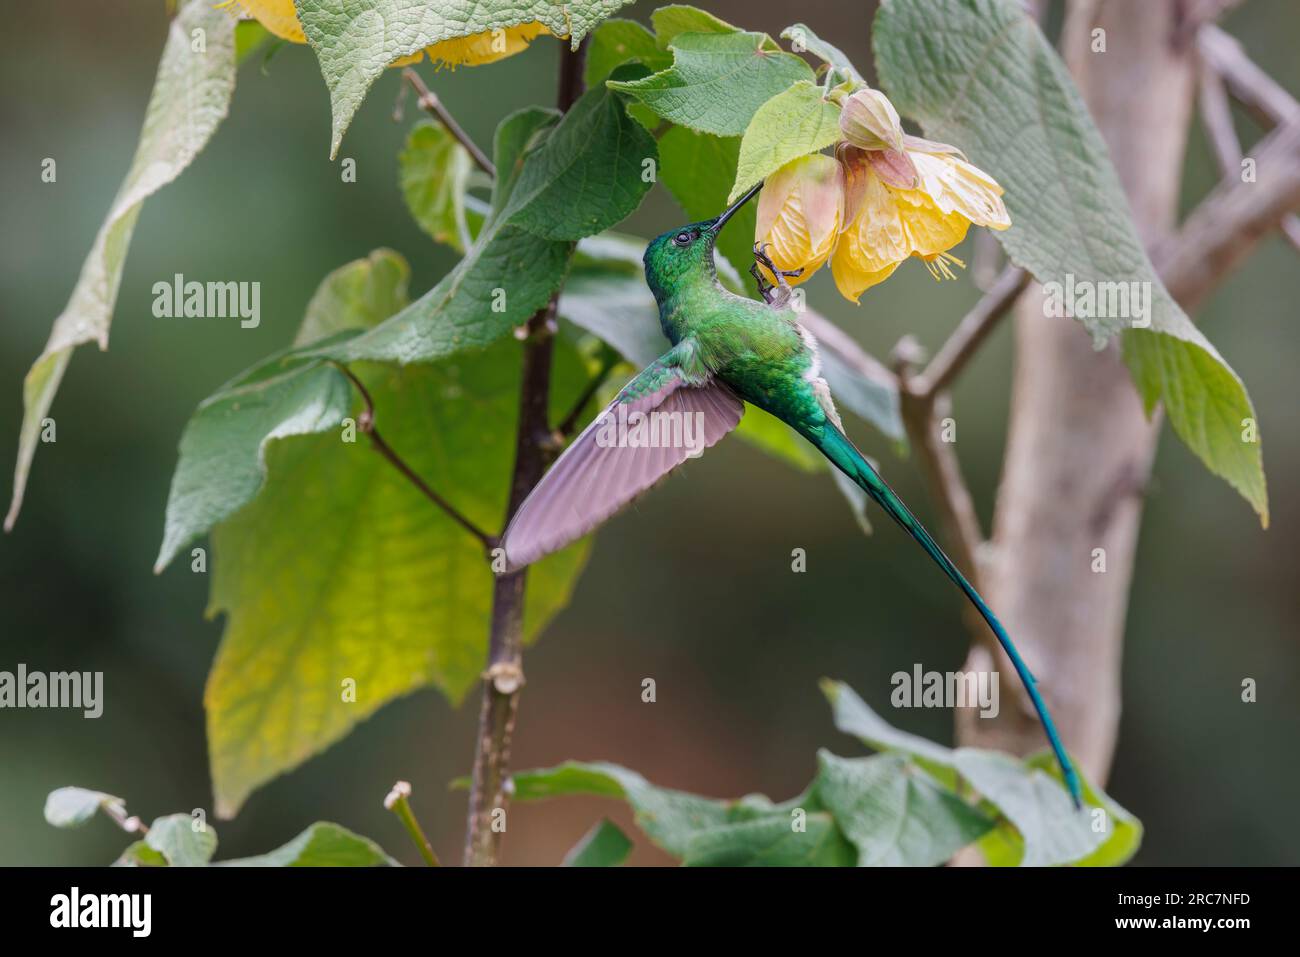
128	823
366	423
569	424
1265	98
1220	54
1227	225
1216	117
504	677
433	105
971	332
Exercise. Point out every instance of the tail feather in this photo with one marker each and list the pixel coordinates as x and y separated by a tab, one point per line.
845	455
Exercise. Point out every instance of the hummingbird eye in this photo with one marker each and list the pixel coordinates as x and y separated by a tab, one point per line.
683	239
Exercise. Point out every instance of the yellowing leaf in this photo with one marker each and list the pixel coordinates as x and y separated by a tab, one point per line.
191	96
355	40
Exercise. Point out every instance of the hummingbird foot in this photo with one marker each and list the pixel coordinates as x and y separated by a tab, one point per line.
782	295
764	287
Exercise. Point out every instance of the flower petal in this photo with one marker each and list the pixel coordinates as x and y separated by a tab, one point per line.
930	230
852	280
895	167
799	212
487	47
278	16
957	186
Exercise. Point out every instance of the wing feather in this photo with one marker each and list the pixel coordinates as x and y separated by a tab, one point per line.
596	478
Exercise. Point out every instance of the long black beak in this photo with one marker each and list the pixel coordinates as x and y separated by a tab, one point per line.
731	210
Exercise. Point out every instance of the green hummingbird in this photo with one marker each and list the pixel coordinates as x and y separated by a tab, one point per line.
726	350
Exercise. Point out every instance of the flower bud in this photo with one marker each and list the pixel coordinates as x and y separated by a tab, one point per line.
870	122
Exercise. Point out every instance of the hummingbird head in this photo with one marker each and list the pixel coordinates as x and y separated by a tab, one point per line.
685	252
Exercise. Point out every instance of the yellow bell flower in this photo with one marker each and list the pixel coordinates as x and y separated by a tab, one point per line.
887	223
280	18
799	214
919	200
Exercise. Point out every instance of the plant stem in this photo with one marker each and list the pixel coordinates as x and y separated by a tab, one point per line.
971	332
366	423
129	823
397	802
504	678
569	423
431	104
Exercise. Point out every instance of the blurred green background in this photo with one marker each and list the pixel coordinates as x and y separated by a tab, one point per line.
692	587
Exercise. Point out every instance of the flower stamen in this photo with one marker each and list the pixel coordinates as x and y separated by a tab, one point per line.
938	266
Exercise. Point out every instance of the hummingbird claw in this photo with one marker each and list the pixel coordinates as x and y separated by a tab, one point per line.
782	296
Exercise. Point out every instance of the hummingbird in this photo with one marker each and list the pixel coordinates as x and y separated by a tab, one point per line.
726	350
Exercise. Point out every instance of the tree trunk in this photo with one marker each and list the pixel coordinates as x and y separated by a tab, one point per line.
1079	450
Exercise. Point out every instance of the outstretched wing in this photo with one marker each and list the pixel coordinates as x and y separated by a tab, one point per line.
665	415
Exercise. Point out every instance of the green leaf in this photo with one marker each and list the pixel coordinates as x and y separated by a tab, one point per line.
789	125
701	831
678	18
616	42
249	38
434	173
603	846
222	463
322	845
1047	828
1051	830
1205	401
853	716
190	98
506	276
801	35
772	842
669	818
355	40
140	854
223	448
587	175
345	588
1121	831
184	841
893	813
717	81
73	807
996	88
357	295
276	693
